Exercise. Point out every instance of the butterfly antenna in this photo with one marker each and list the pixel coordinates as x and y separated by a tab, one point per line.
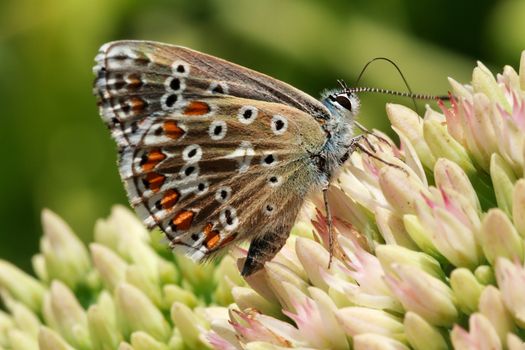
408	94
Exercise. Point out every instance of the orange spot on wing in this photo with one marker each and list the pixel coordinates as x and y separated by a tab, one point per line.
183	219
154	181
154	157
212	236
197	108
170	199
172	130
228	240
137	104
134	81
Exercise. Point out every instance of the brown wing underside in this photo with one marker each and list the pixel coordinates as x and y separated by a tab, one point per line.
210	152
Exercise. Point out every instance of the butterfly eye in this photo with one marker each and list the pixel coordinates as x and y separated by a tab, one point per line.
344	101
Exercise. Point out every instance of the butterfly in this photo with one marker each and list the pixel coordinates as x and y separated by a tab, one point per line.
215	154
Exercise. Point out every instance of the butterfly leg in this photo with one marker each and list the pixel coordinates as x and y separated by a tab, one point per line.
333	244
263	249
355	145
331	237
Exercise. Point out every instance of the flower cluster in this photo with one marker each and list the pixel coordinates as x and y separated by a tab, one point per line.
430	255
127	291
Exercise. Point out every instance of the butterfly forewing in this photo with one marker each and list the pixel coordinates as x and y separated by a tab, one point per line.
210	152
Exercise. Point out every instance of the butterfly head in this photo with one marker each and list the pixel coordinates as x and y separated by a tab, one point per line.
343	106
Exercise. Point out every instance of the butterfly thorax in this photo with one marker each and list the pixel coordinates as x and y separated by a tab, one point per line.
338	127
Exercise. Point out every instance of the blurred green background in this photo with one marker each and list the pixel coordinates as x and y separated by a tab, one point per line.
57	153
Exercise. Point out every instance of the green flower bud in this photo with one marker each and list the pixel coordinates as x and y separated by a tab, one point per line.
302	229
102	329
24	318
419	292
314	259
20	340
21	286
443	145
106	235
492	307
406	122
65	255
480	332
466	288
50	340
369	341
483	81
359	320
485	275
279	278
421	236
135	312
227	276
514	342
421	335
289	257
331	331
143	341
389	255
518	207
189	325
198	275
176	342
126	223
247	298
174	293
125	346
38	261
503	179
458	89
393	229
110	266
499	237
168	273
448	175
145	257
69	315
138	276
510	282
401	190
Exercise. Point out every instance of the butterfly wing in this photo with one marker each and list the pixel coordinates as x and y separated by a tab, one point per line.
203	155
129	60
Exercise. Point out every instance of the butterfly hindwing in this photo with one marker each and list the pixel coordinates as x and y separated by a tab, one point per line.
210	152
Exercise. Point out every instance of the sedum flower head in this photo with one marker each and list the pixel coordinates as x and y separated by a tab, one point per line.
431	255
